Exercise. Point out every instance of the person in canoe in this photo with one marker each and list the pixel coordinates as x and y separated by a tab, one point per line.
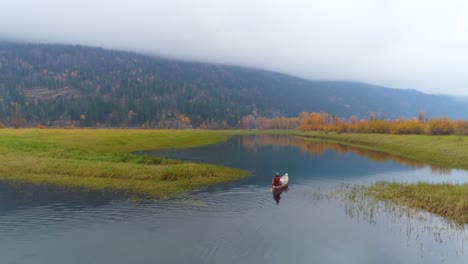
276	180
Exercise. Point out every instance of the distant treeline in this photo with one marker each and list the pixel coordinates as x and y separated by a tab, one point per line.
325	122
305	122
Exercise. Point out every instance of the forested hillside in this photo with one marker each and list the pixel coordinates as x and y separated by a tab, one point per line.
62	85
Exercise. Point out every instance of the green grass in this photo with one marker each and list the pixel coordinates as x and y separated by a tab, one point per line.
448	200
102	160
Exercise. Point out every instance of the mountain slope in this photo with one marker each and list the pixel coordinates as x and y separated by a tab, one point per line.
60	84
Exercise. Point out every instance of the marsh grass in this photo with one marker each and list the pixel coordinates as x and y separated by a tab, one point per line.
415	224
102	160
447	200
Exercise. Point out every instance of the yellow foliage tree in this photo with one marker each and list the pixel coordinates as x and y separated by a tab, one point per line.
441	126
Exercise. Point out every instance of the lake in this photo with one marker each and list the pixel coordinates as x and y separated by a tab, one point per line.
241	221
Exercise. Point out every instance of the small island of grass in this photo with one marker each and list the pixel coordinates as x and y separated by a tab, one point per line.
101	159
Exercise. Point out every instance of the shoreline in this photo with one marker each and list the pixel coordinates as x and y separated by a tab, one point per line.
447	200
443	151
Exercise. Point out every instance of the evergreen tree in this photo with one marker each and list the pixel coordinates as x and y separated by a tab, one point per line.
16	118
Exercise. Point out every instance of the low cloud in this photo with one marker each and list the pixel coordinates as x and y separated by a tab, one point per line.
402	44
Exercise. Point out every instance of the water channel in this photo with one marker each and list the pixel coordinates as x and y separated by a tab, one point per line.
241	221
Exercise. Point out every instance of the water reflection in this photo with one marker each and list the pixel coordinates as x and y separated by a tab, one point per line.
318	148
277	195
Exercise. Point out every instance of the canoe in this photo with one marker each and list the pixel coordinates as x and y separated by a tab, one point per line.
284	184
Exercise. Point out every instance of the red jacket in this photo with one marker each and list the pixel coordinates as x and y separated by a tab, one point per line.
276	181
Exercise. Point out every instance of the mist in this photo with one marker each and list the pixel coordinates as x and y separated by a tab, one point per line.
401	44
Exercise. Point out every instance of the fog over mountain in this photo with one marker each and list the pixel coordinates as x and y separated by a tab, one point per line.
403	44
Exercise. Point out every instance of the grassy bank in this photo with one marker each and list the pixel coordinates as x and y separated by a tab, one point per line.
102	160
448	200
442	151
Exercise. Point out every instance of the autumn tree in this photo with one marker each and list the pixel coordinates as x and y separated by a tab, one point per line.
410	126
184	121
248	122
441	126
303	118
203	125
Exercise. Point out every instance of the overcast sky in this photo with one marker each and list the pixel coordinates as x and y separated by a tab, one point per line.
420	44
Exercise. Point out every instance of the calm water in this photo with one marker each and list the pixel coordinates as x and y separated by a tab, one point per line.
239	222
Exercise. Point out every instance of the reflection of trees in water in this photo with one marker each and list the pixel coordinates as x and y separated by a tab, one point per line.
319	148
416	225
440	170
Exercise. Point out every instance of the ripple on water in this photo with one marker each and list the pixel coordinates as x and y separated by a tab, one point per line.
30	221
